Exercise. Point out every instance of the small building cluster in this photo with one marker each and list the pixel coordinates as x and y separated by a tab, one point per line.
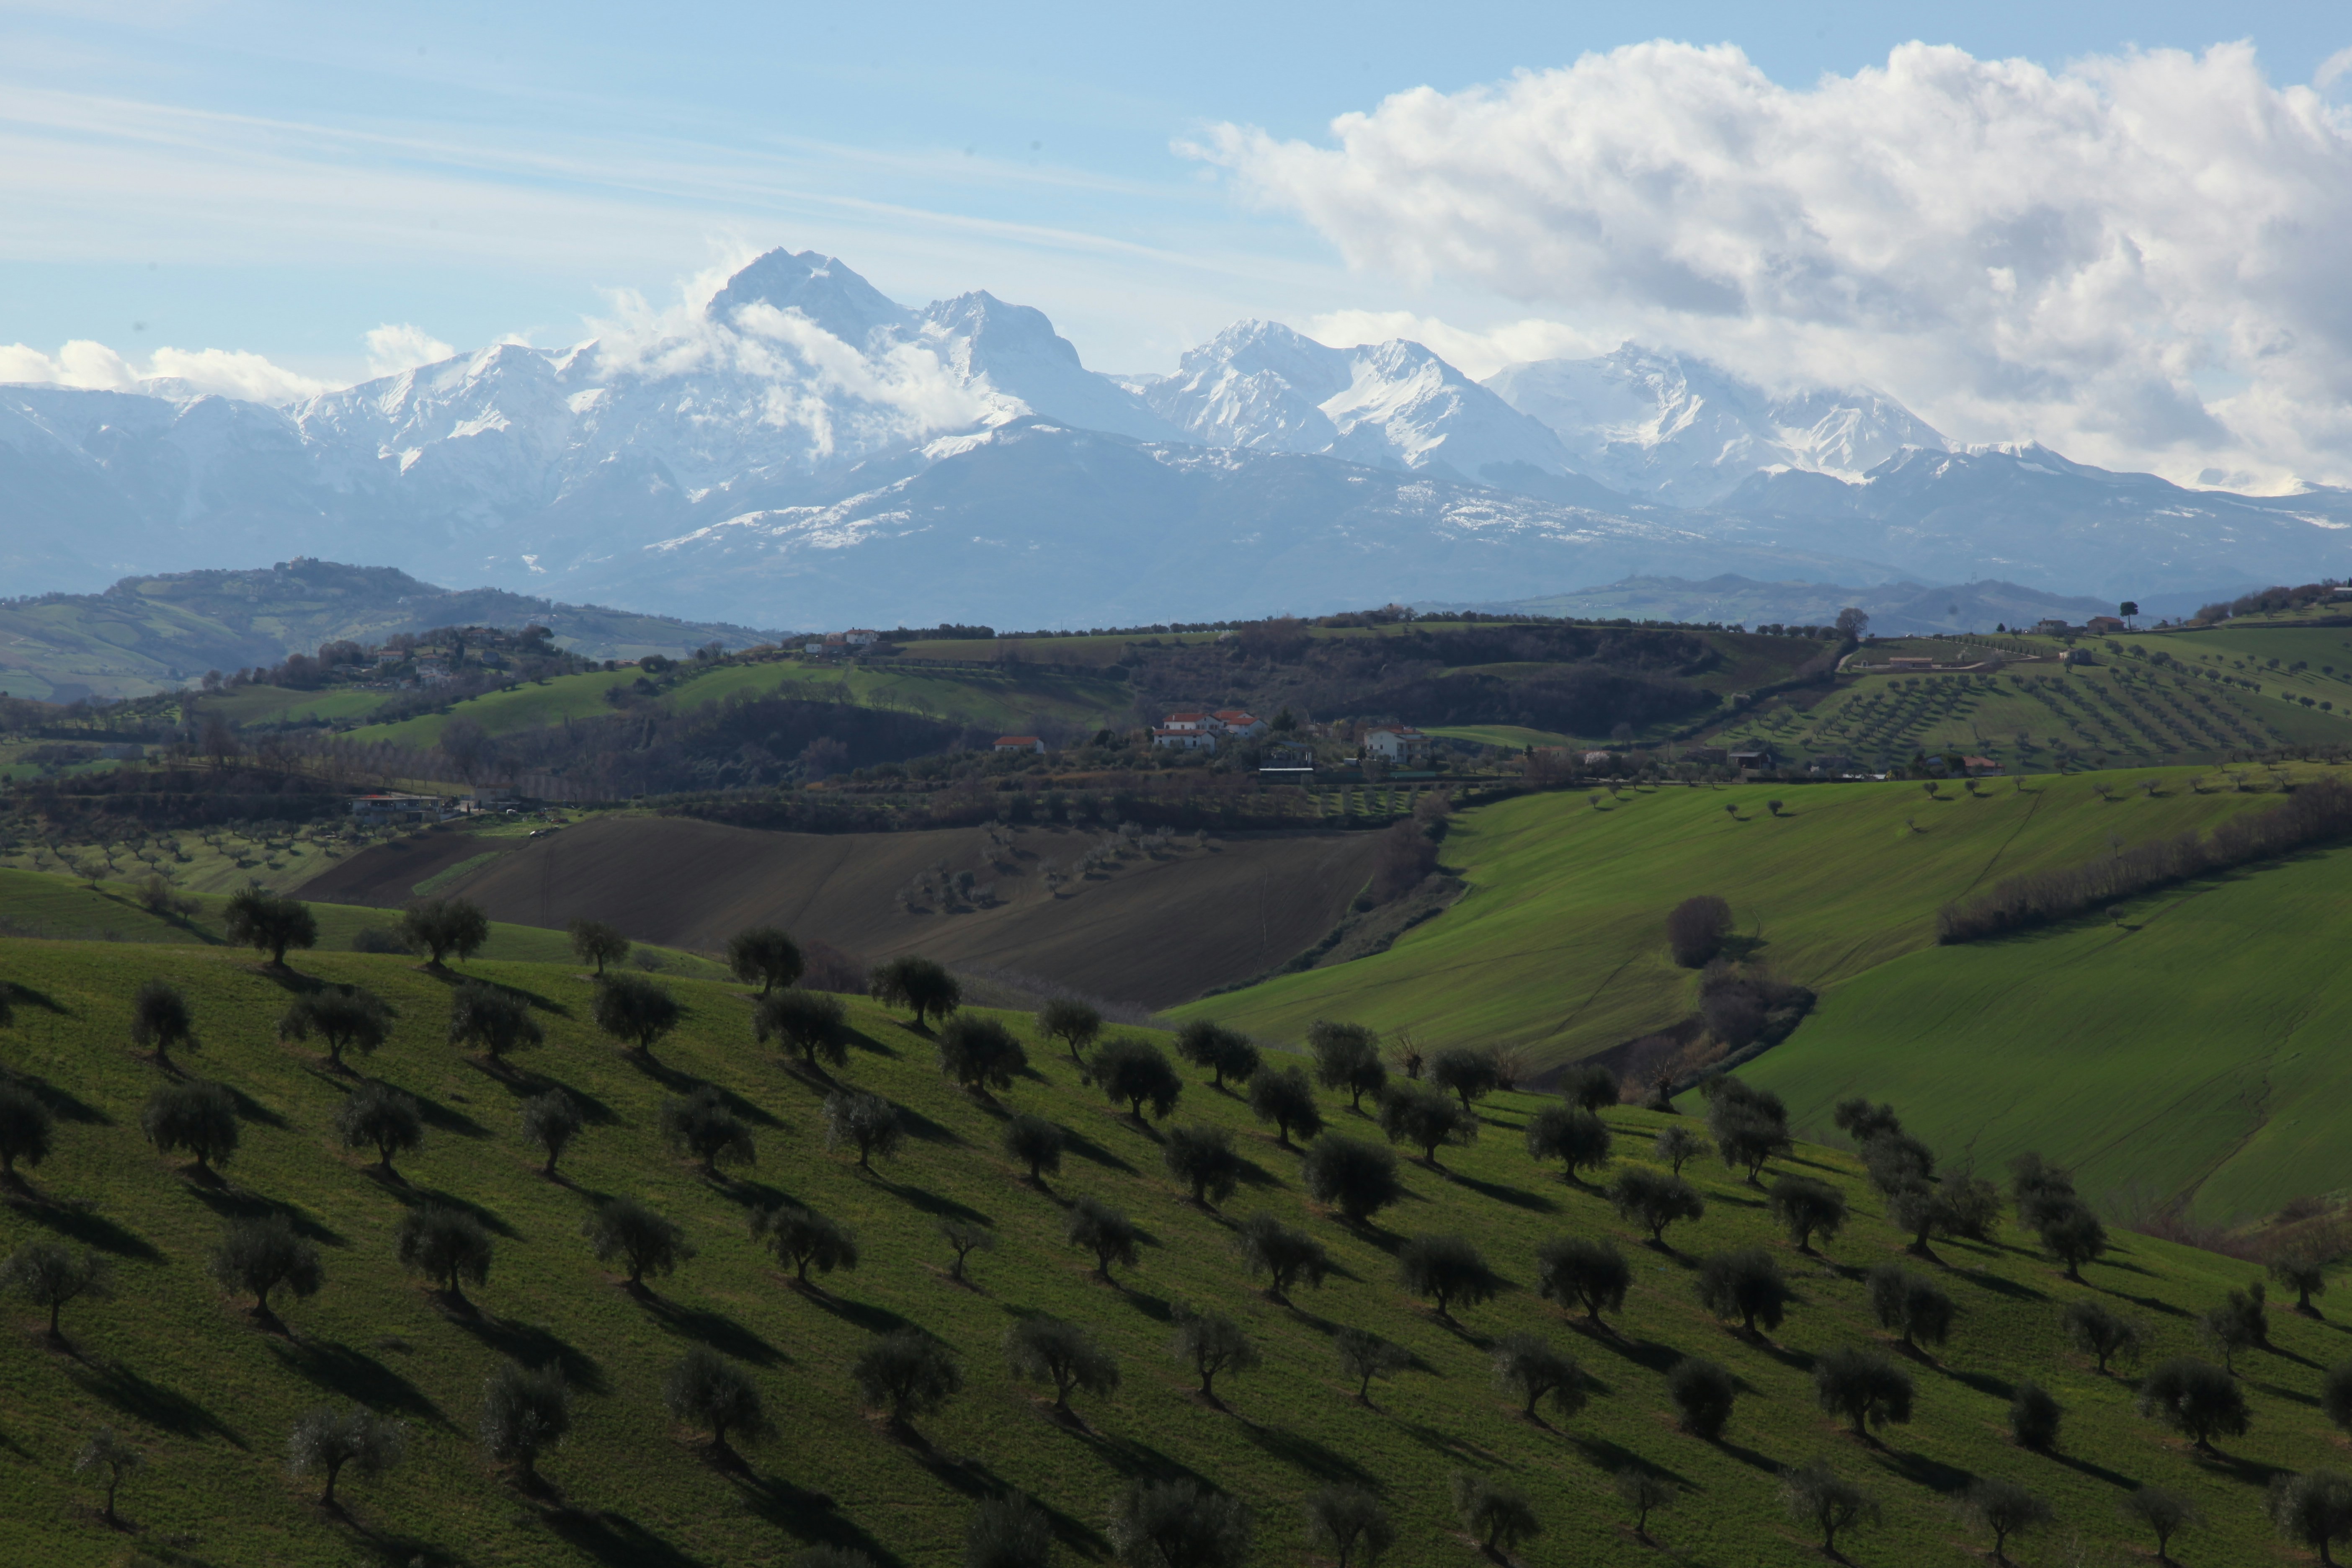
1201	732
1398	744
842	642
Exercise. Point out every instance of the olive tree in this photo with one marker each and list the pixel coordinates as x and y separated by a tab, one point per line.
1351	1524
1905	1303
525	1414
258	1257
491	1019
1348	1057
764	956
268	922
1226	1053
965	1237
445	1245
1009	1533
1863	1386
2196	1399
2335	1396
1424	1118
1062	1355
707	1390
593	941
45	1274
1677	1145
1104	1231
1817	1496
380	1117
1364	1356
2101	1332
908	1373
1529	1366
26	1129
1696	929
1654	1200
1582	1271
552	1120
2165	1513
1465	1073
802	1239
1644	1491
1497	1518
981	1054
354	1437
922	986
1750	1125
811	1023
705	1126
1212	1344
1074	1022
1806	1209
1703	1395
1590	1087
1446	1269
112	1458
635	1010
1746	1284
1358	1179
1575	1137
2241	1322
865	1122
1178	1524
162	1021
1282	1255
1286	1100
1034	1142
199	1117
2313	1509
2034	1415
346	1018
1203	1159
1136	1072
439	927
2304	1272
634	1236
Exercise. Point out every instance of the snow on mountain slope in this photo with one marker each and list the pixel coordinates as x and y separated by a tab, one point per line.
1684	432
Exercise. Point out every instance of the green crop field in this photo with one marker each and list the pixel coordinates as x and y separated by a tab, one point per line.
207	1395
1558	949
2190	1047
277	705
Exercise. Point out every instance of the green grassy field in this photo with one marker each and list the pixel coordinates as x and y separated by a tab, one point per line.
277	705
1559	949
2191	1046
208	1395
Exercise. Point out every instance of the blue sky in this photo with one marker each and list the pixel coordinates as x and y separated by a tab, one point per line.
281	179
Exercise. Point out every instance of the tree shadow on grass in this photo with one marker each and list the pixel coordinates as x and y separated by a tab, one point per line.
745	1107
87	1226
1609	1457
1987	1383
2116	1478
355	1375
2151	1303
1943	1478
809	1517
535	1346
440	1116
1134	1458
63	1104
433	1197
918	1125
1085	1148
675	1079
1310	1458
1517	1197
143	1399
523	1085
251	1110
234	1204
1749	1457
395	1550
2015	1289
719	1331
930	1202
865	1314
866	1042
1647	1355
614	1539
1453	1446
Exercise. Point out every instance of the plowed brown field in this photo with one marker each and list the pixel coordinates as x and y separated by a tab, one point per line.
1157	932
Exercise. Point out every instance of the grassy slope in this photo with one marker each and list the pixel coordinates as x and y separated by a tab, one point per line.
1557	948
2192	1046
209	1396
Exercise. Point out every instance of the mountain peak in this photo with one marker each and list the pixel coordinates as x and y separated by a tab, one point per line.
821	288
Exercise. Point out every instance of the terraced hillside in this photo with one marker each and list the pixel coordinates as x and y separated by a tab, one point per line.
207	1393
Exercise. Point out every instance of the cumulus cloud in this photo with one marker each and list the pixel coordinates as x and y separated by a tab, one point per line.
230	372
393	349
2137	259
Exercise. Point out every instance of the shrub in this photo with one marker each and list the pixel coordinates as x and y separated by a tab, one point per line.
908	1373
353	1438
260	1256
2196	1399
2033	1417
1696	930
1104	1231
551	1121
1065	1355
444	1245
1035	1143
981	1054
1424	1118
865	1122
1806	1209
1817	1496
629	1232
1580	1272
811	1023
200	1118
380	1117
525	1414
1703	1395
1746	1284
1347	1057
1528	1366
1349	1523
920	985
1134	1071
1283	1255
1577	1138
2335	1396
1358	1179
764	956
802	1239
703	1125
1499	1518
704	1389
1177	1524
632	1008
1364	1356
1286	1100
1654	1200
1446	1269
1203	1159
26	1129
350	1019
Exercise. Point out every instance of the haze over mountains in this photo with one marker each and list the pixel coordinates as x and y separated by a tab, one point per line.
805	451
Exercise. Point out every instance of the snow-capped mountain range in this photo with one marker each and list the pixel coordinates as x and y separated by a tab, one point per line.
805	451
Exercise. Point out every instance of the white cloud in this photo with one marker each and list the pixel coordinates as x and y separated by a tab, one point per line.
230	372
393	349
2137	259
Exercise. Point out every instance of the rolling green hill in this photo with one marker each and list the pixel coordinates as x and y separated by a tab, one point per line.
207	1395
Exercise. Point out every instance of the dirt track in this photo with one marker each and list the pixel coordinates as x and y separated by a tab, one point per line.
1156	932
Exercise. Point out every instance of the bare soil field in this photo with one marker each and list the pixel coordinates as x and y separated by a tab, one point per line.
1157	929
